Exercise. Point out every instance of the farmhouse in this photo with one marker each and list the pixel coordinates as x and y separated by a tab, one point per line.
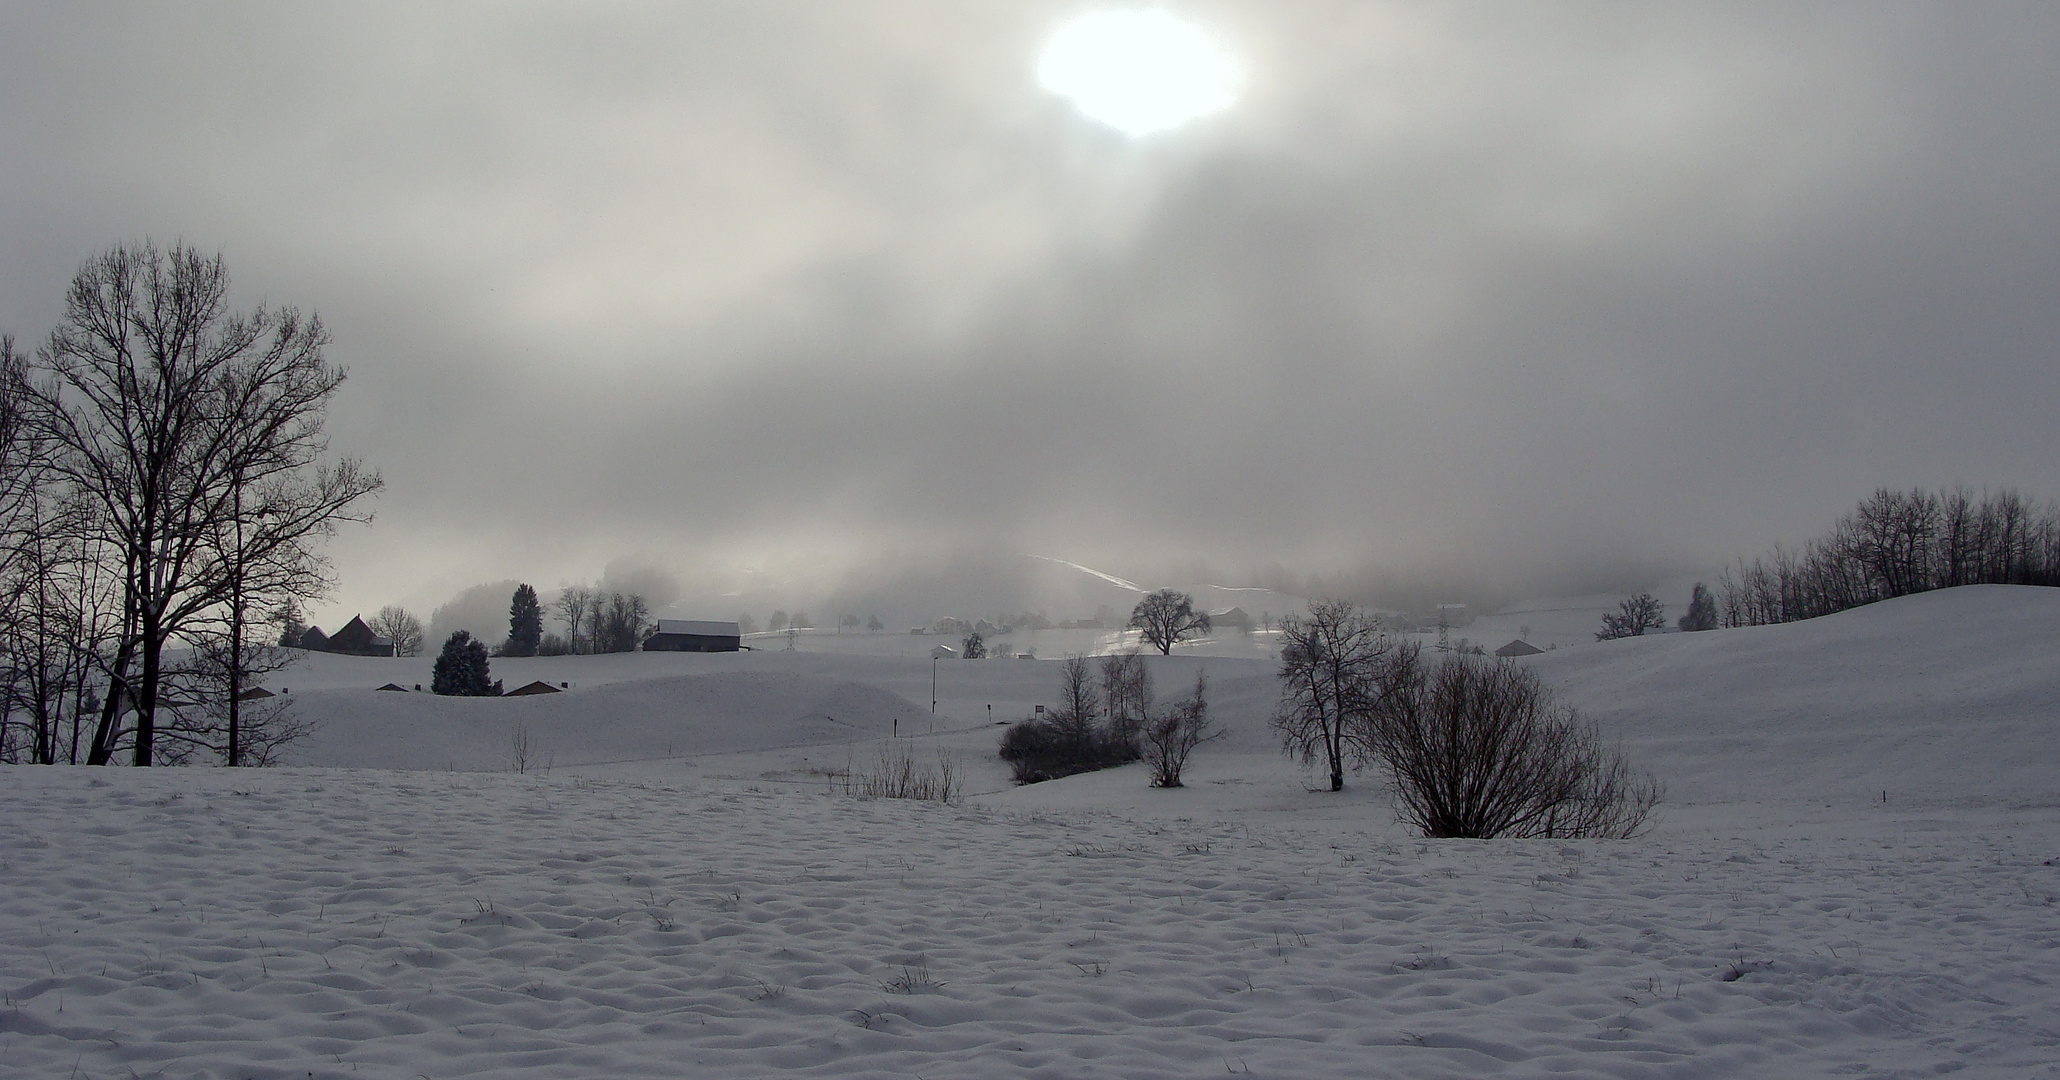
356	639
694	635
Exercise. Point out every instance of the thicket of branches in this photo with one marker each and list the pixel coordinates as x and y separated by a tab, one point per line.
1894	544
161	480
598	621
1478	748
1471	747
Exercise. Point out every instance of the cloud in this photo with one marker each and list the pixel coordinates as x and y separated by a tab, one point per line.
793	288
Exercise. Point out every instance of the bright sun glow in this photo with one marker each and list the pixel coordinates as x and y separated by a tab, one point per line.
1137	71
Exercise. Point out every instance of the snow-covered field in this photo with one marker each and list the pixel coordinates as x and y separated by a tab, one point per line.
684	893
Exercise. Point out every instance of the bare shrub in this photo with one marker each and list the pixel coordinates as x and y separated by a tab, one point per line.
1632	618
898	774
1480	749
1171	737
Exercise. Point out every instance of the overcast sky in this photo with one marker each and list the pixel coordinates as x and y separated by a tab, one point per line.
800	288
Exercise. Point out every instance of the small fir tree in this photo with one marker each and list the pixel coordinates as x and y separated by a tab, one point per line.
461	669
1702	610
291	625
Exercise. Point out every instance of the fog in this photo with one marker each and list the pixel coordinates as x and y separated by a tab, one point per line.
819	305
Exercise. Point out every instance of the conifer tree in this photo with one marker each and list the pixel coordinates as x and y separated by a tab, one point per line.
461	669
525	622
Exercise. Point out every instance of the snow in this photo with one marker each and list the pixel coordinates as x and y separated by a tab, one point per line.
685	893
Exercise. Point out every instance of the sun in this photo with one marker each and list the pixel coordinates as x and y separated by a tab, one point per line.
1137	71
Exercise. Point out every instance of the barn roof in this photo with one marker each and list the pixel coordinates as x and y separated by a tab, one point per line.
698	627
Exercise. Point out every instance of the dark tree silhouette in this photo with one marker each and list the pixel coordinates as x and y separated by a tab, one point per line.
1331	678
525	622
1168	617
194	434
1702	610
461	670
1632	618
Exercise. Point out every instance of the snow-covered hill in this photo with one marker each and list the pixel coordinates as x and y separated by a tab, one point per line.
712	908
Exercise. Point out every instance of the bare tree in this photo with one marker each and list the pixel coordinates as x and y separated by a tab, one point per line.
1331	677
571	606
1171	737
175	417
1633	617
398	625
203	717
618	621
1080	706
1480	749
1167	618
1126	694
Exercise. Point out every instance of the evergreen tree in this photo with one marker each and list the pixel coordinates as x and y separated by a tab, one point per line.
1702	610
461	669
291	625
525	622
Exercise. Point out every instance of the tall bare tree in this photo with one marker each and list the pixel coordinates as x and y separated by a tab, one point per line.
1332	664
196	435
1126	694
571	607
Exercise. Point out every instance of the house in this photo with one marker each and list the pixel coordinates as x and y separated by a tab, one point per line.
395	686
1231	618
314	640
355	639
537	687
255	693
694	635
1518	647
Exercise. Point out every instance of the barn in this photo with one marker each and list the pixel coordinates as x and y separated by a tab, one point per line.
694	635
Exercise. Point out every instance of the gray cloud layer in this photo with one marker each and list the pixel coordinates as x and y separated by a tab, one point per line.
797	287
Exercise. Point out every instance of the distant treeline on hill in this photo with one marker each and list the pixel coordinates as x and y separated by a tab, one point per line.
1895	544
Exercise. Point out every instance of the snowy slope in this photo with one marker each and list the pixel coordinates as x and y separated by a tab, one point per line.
1946	697
713	909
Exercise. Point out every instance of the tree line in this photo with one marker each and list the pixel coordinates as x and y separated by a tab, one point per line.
163	480
1897	543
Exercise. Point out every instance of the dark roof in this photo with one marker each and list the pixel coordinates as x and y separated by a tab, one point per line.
1518	648
255	693
395	686
314	638
537	687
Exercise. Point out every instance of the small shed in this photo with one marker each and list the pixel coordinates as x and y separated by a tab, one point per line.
255	693
694	635
537	687
1519	647
395	686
